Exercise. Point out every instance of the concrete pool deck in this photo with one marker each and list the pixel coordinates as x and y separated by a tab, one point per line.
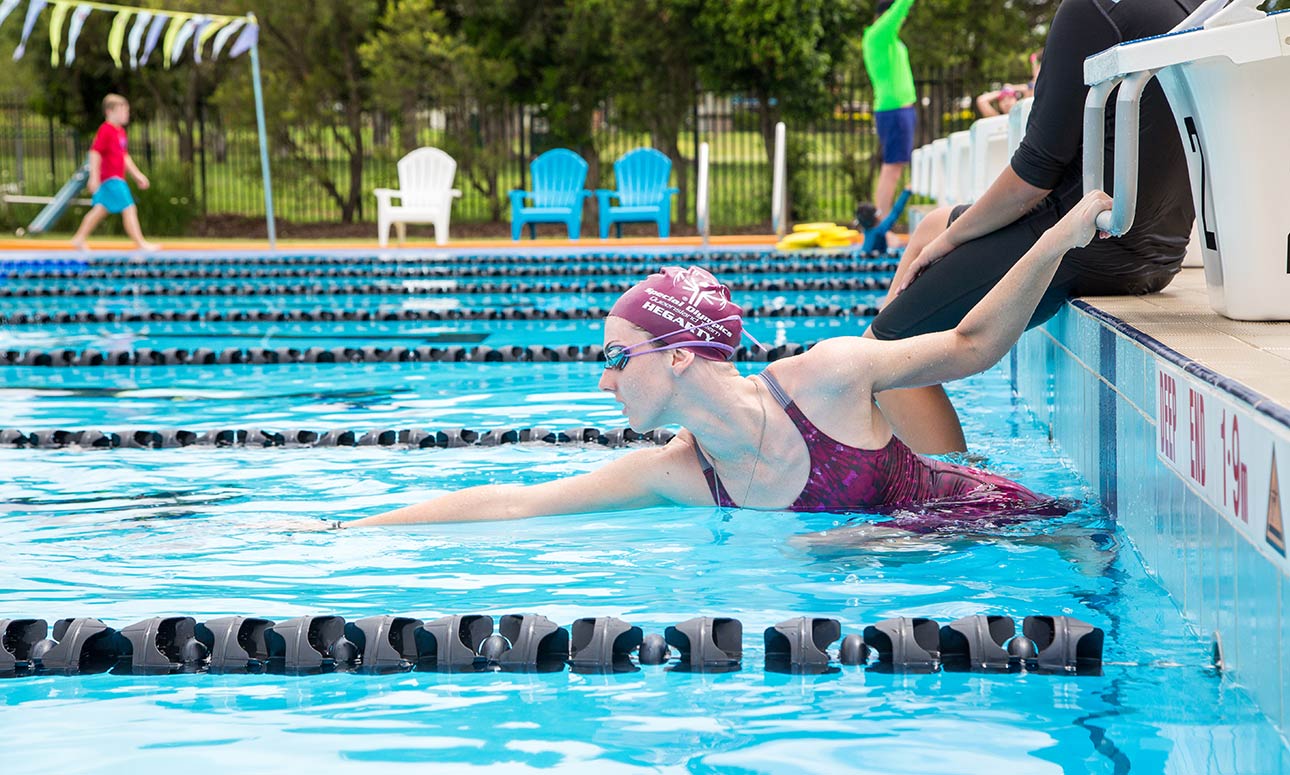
1254	354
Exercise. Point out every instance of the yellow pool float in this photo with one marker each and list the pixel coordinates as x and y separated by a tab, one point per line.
818	235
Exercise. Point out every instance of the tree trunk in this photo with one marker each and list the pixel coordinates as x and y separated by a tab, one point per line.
354	203
408	127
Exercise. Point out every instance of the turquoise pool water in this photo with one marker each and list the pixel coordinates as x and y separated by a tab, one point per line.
125	535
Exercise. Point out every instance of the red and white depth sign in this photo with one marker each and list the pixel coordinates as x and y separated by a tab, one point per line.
1224	450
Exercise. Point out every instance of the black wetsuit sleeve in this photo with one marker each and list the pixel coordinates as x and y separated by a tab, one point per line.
1055	131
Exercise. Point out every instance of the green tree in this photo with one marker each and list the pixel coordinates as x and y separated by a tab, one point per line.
563	58
417	60
985	40
783	53
656	75
316	90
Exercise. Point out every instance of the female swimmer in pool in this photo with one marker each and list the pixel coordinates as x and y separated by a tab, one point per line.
804	434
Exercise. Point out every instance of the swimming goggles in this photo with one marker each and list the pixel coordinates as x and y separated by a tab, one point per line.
616	355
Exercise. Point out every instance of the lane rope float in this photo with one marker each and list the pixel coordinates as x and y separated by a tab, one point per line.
420	288
174	272
320	314
202	356
467	643
298	438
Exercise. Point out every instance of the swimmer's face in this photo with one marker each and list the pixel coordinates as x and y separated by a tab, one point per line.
1007	100
644	386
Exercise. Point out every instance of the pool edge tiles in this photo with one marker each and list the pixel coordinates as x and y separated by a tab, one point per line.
1192	464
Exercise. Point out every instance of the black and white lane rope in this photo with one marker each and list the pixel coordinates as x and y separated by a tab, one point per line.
415	288
427	270
341	438
178	356
527	643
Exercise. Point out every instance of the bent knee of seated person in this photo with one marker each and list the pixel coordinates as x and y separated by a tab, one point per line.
929	228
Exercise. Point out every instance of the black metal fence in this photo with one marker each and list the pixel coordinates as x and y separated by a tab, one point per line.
215	169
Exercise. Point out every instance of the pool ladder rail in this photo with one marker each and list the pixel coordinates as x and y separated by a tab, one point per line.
467	643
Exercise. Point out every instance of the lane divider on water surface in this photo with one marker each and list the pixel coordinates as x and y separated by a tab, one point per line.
527	643
319	314
420	287
425	270
202	356
445	258
400	438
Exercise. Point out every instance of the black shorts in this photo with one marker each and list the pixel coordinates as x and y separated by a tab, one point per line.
943	294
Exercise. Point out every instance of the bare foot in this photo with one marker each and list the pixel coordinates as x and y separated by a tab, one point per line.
148	247
78	244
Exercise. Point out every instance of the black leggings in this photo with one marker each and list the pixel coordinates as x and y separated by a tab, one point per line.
942	295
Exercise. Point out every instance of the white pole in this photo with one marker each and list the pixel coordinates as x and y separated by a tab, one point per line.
777	184
701	196
264	143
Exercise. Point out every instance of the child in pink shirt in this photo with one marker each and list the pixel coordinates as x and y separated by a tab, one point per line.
109	162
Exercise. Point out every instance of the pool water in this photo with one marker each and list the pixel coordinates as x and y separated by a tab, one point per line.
125	535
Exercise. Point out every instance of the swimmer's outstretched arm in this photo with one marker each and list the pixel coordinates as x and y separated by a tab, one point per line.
640	479
987	331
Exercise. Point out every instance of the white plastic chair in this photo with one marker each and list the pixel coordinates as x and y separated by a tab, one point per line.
426	192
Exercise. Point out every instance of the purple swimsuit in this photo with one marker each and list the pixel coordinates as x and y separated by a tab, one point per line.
927	492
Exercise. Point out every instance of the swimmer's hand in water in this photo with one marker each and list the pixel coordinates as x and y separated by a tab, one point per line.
302	525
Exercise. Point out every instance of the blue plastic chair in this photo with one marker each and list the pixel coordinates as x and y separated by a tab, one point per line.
558	179
643	194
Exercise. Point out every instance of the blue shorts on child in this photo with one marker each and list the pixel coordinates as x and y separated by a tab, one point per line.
114	195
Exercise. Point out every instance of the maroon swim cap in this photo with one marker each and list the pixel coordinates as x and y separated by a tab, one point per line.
685	307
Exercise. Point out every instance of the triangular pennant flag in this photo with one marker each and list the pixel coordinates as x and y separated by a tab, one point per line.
116	37
224	35
56	31
33	12
208	31
74	31
6	8
250	34
172	32
202	23
136	36
154	34
1275	532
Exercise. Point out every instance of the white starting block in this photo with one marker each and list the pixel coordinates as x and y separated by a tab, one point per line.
1228	83
1017	118
917	165
989	153
960	168
940	169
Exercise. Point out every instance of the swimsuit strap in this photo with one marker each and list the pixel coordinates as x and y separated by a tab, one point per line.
775	388
719	495
811	434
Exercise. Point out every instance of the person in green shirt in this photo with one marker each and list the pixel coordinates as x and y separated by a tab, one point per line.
887	61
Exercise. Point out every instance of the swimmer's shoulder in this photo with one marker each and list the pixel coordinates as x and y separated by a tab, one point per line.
833	367
673	470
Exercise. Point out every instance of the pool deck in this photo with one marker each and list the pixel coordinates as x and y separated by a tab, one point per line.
1257	355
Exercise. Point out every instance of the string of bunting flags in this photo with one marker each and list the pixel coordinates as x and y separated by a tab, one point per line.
135	32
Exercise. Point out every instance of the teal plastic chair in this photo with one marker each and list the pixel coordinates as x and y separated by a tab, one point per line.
643	194
557	196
